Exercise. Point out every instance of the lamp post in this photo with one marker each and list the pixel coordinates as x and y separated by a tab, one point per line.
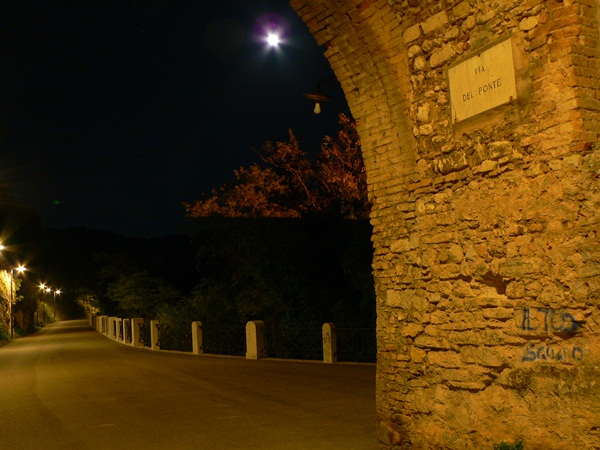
57	291
19	269
43	289
47	291
318	97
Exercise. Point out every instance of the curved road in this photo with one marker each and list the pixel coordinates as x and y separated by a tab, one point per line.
69	387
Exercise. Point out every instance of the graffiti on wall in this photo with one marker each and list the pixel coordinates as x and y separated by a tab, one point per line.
549	353
550	320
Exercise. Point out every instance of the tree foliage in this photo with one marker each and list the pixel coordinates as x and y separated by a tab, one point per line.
140	295
287	272
290	183
312	264
129	286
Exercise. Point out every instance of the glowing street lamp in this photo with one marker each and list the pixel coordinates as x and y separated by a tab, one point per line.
47	290
37	309
319	97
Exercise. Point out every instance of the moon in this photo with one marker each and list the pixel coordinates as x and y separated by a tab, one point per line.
273	39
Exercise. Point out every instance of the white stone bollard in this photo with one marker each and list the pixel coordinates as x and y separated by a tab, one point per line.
329	343
126	331
154	335
256	347
135	332
197	347
112	327
102	324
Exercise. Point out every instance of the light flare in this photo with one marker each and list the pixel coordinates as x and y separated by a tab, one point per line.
273	39
271	30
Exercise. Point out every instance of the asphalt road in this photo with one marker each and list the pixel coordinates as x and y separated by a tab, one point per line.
69	387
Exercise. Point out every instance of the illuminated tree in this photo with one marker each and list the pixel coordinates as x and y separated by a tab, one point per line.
341	172
291	184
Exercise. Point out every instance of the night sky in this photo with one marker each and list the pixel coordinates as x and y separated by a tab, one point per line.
112	113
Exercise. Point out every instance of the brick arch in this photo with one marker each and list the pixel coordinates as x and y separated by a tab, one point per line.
375	84
486	241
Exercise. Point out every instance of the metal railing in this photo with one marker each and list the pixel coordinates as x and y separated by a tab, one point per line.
175	337
305	343
145	335
224	340
127	331
356	344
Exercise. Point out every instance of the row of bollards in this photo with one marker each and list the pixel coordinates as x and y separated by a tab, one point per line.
128	331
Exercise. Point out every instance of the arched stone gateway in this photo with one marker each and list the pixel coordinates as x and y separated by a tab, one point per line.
479	123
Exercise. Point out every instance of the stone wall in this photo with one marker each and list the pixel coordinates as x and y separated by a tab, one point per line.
486	231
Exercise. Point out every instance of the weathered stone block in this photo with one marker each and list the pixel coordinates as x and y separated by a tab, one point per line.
430	342
439	238
520	267
412	329
412	33
451	163
529	23
444	359
434	22
456	253
446	271
417	355
498	313
461	10
442	56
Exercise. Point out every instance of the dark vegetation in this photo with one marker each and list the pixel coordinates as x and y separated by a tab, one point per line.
288	242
